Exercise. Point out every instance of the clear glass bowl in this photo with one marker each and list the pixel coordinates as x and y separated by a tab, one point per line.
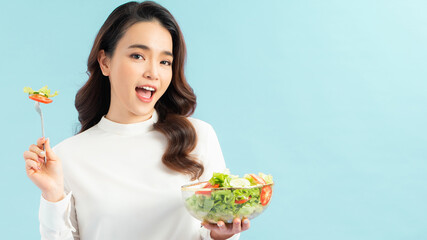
215	204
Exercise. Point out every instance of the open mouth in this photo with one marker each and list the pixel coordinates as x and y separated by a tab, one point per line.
145	93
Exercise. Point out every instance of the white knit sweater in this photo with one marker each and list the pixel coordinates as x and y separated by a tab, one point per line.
118	188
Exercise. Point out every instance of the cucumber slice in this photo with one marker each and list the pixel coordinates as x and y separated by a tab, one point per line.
240	182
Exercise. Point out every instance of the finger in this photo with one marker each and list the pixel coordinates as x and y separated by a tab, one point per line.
237	226
49	152
30	164
246	224
221	226
40	142
37	150
33	156
209	226
31	160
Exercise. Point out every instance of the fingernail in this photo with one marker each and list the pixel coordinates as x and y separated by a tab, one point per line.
246	221
220	224
42	153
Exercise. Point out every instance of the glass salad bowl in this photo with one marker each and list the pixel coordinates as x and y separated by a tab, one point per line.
212	203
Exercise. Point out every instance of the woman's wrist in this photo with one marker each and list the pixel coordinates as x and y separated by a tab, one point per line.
54	196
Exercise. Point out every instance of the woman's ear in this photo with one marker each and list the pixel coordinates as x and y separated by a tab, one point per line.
104	62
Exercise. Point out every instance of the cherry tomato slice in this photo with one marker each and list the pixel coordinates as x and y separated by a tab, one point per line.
242	200
40	98
265	195
257	179
207	192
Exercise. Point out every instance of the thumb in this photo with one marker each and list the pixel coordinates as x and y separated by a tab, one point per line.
49	152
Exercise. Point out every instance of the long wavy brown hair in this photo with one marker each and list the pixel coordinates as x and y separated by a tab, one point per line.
178	102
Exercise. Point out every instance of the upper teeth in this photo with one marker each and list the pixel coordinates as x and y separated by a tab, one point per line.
148	88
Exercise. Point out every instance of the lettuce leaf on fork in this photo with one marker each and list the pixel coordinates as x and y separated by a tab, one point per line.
44	91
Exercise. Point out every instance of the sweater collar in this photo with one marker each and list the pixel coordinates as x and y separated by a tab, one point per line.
130	128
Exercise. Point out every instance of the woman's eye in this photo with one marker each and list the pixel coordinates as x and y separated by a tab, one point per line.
137	56
166	63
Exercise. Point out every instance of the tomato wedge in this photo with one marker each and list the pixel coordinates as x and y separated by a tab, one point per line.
242	200
257	179
207	192
40	98
265	195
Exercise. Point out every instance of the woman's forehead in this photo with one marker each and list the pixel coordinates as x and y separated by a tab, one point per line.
150	34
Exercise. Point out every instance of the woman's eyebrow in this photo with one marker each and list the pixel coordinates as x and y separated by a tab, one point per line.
144	47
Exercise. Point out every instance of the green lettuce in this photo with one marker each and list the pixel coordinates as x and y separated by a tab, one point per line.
226	203
44	91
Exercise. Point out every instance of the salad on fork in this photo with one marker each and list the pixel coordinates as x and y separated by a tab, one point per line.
41	96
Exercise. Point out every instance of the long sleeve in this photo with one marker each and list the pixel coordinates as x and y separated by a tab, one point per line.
213	161
72	216
211	155
55	219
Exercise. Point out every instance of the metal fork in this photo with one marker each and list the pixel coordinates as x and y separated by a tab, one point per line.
39	110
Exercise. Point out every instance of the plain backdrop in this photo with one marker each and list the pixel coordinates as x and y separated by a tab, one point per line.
327	96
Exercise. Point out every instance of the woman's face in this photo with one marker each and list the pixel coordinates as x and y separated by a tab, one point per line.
140	71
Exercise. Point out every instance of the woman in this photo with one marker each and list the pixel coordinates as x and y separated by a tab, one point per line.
120	176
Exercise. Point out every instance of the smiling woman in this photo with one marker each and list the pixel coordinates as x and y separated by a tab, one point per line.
135	120
132	62
138	72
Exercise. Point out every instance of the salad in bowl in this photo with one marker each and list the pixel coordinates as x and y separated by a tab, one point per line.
225	197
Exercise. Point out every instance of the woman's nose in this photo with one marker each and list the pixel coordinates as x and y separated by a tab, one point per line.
151	72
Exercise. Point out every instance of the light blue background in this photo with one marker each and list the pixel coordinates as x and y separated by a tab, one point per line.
327	96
